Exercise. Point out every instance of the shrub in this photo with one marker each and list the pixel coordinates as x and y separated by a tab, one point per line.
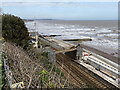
14	30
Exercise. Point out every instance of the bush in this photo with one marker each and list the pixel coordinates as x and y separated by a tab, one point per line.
14	30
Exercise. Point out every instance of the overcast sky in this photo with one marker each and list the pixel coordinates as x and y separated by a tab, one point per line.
62	9
60	0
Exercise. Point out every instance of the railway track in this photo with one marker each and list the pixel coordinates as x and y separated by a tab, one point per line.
72	76
84	76
81	75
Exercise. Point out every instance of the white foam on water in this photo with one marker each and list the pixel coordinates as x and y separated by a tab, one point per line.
67	31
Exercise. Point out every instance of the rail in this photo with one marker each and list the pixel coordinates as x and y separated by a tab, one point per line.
91	50
82	73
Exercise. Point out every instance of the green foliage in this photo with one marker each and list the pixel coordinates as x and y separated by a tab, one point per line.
2	73
48	67
14	30
57	70
44	78
45	54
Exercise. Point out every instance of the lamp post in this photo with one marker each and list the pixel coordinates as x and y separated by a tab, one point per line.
36	37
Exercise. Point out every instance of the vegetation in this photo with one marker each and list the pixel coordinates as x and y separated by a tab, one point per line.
33	68
43	57
1	77
14	30
2	71
29	66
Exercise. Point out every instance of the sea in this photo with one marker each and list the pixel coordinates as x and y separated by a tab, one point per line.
104	33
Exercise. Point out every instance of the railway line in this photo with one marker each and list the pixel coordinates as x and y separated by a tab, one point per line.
73	77
84	77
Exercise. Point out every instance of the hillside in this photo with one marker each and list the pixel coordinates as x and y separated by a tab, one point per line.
32	71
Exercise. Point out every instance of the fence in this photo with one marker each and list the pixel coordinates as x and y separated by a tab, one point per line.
7	72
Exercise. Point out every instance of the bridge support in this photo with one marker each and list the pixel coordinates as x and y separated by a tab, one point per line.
52	56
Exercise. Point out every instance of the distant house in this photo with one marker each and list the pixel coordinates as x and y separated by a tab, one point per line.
34	38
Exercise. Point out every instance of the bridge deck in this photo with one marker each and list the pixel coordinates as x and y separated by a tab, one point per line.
59	42
65	50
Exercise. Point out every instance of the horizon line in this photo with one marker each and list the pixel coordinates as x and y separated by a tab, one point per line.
69	19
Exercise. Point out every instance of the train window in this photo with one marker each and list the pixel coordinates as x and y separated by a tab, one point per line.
90	54
113	78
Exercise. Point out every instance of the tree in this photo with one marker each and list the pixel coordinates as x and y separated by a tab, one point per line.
14	30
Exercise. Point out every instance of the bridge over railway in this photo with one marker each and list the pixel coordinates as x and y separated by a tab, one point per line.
66	57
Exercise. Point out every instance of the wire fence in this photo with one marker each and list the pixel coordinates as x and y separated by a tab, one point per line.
7	72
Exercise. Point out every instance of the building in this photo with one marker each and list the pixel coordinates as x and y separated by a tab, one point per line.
34	38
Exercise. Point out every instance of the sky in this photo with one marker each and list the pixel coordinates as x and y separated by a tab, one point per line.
59	0
62	9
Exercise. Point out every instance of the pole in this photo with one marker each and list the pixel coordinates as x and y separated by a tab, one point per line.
36	33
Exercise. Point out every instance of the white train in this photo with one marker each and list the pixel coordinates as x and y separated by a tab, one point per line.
106	69
102	64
